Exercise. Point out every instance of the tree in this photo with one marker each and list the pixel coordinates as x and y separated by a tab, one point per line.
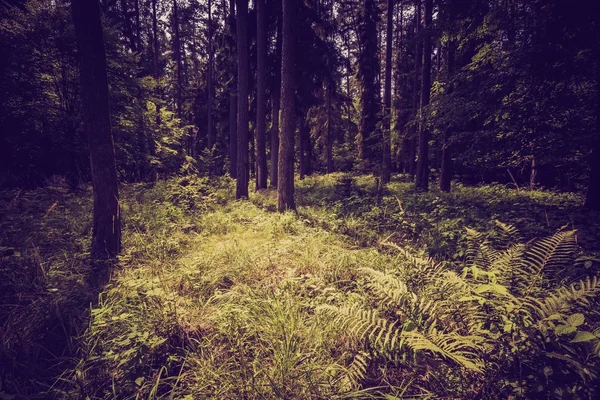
106	234
209	129
285	187
261	95
422	179
233	109
368	69
275	106
387	97
243	173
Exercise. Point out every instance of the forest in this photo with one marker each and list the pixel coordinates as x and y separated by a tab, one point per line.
299	199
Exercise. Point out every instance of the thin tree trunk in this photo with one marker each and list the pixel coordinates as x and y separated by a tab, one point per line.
285	188
242	118
275	105
233	99
422	180
412	152
387	97
261	95
209	129
330	165
446	172
106	234
177	51
301	146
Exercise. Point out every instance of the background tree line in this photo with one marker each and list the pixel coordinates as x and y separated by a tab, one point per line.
475	90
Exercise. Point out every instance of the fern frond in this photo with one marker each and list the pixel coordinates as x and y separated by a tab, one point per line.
509	235
365	325
461	349
387	286
549	254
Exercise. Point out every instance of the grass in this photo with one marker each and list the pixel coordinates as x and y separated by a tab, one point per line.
217	298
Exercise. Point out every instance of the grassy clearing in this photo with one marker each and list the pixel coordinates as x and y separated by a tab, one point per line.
216	298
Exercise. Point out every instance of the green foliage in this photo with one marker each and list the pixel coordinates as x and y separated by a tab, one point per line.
507	313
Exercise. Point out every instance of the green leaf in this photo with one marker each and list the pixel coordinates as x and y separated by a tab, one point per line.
139	381
575	320
583	336
564	329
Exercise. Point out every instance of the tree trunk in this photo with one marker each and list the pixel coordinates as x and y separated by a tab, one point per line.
177	54
368	70
412	151
422	180
233	99
330	165
285	188
242	175
106	234
446	173
275	105
387	97
261	95
302	145
209	129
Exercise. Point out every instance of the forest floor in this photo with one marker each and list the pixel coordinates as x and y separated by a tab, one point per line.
224	299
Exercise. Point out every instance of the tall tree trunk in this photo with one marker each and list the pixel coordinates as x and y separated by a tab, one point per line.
233	99
209	129
155	62
242	118
275	105
329	133
412	151
368	70
177	54
387	97
106	234
285	187
261	95
446	173
422	180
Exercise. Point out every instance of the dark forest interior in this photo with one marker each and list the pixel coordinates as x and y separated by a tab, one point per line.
299	199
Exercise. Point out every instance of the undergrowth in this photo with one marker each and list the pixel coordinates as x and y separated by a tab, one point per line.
217	298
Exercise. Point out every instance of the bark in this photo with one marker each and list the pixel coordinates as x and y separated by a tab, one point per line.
242	175
387	97
412	151
177	55
233	100
329	133
285	187
446	172
368	70
155	59
302	145
422	179
106	234
209	129
261	95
